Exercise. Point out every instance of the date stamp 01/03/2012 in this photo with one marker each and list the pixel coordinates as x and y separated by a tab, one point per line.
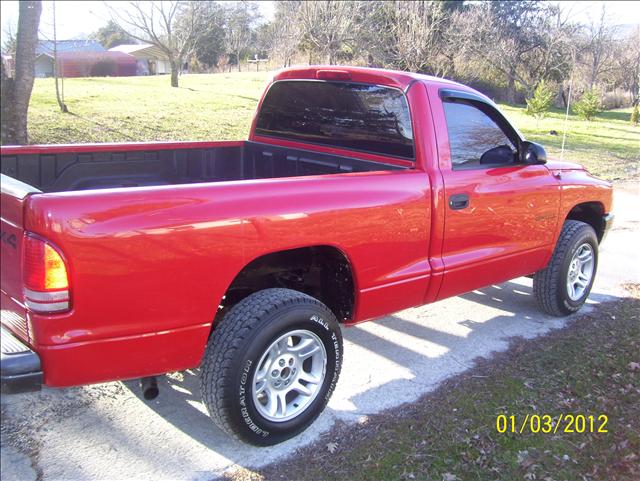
547	423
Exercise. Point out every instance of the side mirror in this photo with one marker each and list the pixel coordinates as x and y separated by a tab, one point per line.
532	153
499	155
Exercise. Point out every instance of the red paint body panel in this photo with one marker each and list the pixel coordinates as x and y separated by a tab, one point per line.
162	245
123	357
149	266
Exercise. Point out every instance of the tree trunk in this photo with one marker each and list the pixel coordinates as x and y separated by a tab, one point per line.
174	72
16	92
511	89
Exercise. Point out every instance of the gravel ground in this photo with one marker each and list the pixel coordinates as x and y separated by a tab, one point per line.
107	431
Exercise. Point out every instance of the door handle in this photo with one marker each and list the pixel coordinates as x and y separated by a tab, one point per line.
459	201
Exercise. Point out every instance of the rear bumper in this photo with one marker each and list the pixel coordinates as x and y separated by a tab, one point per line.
20	367
607	222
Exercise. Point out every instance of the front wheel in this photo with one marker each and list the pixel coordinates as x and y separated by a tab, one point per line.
564	285
271	366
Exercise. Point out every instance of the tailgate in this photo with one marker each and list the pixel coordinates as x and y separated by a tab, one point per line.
13	194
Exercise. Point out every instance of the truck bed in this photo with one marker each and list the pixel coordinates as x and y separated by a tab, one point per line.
82	167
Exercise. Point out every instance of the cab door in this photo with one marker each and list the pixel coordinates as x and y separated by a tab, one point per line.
500	214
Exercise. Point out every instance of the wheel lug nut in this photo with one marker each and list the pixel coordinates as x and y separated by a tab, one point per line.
274	373
291	362
282	362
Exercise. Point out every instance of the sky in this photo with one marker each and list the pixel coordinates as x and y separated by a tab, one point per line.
78	19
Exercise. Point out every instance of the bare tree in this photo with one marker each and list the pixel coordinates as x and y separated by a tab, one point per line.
282	36
416	33
155	22
9	45
598	51
240	20
555	58
627	63
327	26
514	40
16	90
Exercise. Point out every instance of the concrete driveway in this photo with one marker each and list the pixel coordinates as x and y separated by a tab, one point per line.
108	432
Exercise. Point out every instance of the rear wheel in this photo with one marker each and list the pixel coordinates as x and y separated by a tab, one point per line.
564	285
271	366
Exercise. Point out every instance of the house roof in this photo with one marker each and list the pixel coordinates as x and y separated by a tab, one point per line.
140	51
45	47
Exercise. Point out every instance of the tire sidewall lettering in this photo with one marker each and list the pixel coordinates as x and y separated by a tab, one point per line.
242	400
336	369
320	321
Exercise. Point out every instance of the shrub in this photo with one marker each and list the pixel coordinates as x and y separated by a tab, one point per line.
589	105
635	114
542	99
617	98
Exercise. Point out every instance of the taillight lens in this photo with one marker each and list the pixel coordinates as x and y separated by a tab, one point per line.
46	281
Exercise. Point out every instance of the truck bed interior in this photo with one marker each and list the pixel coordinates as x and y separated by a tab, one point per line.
67	171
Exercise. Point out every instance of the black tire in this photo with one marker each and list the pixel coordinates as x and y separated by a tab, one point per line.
235	348
550	284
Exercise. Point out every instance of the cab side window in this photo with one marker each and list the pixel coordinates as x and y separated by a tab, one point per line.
475	139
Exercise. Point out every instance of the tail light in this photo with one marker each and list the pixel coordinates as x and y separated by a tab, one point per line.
46	281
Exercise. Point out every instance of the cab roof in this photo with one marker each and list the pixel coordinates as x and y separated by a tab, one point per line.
378	76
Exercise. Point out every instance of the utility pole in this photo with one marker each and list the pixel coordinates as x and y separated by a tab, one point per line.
63	106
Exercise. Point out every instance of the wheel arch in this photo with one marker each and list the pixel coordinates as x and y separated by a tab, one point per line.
322	271
591	213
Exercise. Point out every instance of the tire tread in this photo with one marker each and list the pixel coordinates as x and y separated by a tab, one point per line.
546	282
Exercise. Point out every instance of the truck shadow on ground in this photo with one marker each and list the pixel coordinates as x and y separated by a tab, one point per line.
388	362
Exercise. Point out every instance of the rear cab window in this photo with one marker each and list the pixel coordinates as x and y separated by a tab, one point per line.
359	117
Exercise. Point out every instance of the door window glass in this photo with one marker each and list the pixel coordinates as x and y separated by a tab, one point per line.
475	139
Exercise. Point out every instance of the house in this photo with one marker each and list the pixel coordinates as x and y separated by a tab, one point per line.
96	64
46	48
151	59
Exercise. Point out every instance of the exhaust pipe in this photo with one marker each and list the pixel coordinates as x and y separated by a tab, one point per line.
149	386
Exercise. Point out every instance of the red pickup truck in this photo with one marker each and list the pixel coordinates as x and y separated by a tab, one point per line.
359	192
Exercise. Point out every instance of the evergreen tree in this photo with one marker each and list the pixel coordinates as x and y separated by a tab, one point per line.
589	105
635	114
539	104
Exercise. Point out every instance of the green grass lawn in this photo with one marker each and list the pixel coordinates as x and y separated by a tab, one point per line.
220	107
609	146
128	109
